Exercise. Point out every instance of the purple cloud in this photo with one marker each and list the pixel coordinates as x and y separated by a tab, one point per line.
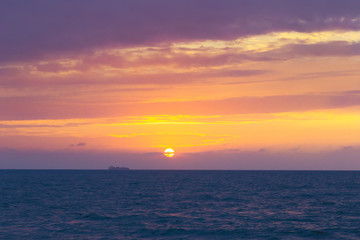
78	145
43	28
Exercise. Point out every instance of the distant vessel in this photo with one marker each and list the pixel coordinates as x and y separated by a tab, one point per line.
118	168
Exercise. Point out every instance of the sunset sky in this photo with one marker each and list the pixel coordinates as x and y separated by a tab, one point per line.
257	84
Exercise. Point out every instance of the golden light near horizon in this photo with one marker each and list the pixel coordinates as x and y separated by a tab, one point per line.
169	152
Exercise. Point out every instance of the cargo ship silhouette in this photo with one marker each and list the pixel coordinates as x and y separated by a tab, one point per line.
118	168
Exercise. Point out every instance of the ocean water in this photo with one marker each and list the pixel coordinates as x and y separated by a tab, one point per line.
49	204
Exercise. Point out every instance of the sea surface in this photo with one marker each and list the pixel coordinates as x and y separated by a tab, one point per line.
76	204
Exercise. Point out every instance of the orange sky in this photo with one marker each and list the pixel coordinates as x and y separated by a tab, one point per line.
275	89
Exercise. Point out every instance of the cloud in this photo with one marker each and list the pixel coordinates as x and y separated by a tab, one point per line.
326	74
95	79
181	68
26	108
171	68
15	126
325	49
77	145
40	29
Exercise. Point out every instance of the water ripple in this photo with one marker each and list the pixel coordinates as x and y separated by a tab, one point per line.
179	205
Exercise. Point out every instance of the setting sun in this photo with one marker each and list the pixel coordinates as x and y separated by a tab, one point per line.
169	152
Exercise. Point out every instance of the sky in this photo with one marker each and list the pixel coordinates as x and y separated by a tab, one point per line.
245	84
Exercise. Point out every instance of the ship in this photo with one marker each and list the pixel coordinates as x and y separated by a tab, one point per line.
118	168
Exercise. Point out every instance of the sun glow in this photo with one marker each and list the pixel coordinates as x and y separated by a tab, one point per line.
169	152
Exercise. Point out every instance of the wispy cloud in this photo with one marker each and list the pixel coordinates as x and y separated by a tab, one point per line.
37	108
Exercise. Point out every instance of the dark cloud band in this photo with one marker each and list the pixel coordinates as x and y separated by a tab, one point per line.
35	29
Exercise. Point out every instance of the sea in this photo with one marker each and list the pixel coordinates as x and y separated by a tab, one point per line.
169	204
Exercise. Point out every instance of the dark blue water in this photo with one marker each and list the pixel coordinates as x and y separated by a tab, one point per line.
179	205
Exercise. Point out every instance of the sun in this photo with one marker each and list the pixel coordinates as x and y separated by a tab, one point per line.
169	152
